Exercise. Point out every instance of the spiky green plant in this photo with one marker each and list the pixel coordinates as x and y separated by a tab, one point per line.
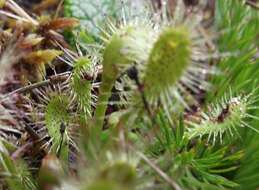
82	89
57	124
16	172
56	115
167	62
119	54
171	52
160	119
224	117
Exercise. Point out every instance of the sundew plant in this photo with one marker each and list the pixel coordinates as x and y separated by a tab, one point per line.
129	95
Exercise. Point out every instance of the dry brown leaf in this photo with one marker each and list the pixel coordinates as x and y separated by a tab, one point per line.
60	24
42	56
44	5
30	41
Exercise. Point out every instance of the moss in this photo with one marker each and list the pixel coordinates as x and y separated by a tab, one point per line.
81	87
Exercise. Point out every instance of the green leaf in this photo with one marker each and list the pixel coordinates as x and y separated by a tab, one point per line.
180	132
91	13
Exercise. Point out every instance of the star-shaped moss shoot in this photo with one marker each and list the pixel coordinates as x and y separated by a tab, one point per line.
82	87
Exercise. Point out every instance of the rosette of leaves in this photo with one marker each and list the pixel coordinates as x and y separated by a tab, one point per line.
172	65
55	120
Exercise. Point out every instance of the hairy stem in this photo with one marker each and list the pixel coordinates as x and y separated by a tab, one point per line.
105	93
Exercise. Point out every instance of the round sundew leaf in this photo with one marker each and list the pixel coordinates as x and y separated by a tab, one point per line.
224	117
120	52
112	56
167	62
57	114
126	46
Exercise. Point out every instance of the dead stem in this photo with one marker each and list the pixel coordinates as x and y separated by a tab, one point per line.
18	10
52	80
13	16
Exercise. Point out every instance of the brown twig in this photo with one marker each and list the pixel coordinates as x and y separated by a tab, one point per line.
5	13
52	80
19	11
25	121
59	9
